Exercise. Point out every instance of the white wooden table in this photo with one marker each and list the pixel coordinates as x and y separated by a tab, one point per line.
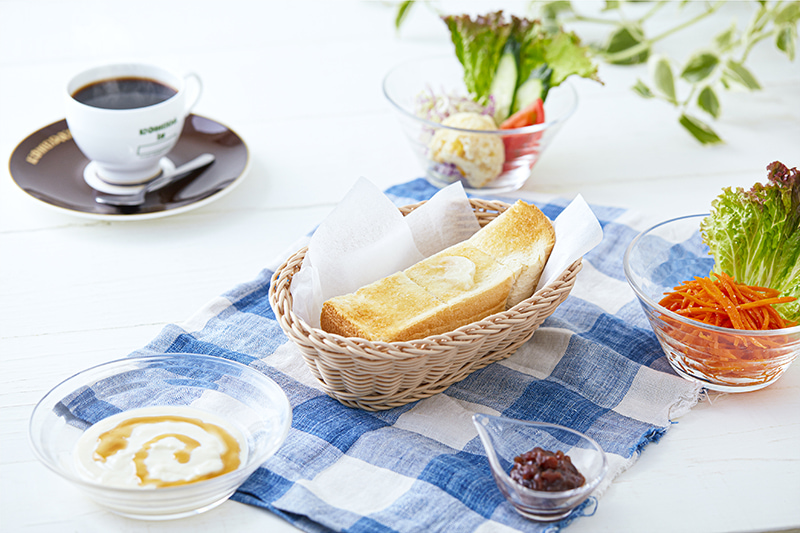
301	83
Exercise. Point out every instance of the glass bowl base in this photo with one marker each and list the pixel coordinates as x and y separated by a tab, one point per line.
539	517
719	387
500	186
164	516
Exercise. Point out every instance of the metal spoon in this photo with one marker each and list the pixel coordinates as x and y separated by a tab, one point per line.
163	180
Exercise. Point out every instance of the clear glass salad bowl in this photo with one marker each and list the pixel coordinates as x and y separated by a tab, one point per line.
247	399
503	157
506	438
719	358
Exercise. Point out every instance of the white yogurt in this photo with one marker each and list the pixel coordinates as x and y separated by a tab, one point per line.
161	446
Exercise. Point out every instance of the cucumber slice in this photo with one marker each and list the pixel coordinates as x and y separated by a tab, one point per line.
503	85
536	86
527	93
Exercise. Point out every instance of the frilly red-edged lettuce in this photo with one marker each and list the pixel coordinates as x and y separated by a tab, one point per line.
478	45
754	235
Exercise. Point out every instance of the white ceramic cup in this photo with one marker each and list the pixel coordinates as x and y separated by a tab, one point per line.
126	145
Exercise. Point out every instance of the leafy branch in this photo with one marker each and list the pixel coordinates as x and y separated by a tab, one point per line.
716	67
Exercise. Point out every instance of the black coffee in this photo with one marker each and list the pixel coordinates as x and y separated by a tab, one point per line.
124	93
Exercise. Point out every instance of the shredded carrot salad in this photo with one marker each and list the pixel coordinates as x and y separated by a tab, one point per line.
728	358
726	303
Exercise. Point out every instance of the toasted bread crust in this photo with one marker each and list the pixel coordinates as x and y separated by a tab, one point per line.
493	270
520	238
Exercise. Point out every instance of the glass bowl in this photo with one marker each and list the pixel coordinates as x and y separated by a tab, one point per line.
721	359
246	399
505	438
520	148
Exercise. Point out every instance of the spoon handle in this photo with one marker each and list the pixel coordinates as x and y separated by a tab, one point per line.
166	178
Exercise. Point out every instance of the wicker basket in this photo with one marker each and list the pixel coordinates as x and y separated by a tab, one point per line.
382	375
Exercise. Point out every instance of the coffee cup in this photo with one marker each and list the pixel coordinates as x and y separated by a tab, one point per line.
126	117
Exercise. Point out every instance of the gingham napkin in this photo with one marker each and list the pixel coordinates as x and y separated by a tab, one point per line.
594	366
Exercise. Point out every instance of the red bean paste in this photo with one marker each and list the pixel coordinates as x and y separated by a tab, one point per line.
540	469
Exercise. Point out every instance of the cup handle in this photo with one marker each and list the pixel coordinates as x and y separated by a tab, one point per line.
194	88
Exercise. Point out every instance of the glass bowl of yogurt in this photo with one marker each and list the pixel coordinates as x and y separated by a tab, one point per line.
162	436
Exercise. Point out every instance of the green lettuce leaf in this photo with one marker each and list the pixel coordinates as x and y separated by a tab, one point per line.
566	57
479	44
754	235
533	43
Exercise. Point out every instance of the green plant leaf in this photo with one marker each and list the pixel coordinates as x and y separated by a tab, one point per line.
790	14
699	130
739	74
661	72
708	101
611	5
551	10
402	12
724	39
625	38
760	16
700	67
786	40
642	90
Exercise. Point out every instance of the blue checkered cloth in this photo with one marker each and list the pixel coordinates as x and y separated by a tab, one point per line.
594	366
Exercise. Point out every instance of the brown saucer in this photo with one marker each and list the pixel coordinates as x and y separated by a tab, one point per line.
49	167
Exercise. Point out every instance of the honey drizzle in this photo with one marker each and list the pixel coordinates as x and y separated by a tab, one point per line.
116	439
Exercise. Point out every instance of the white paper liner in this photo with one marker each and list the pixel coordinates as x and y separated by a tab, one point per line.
366	238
